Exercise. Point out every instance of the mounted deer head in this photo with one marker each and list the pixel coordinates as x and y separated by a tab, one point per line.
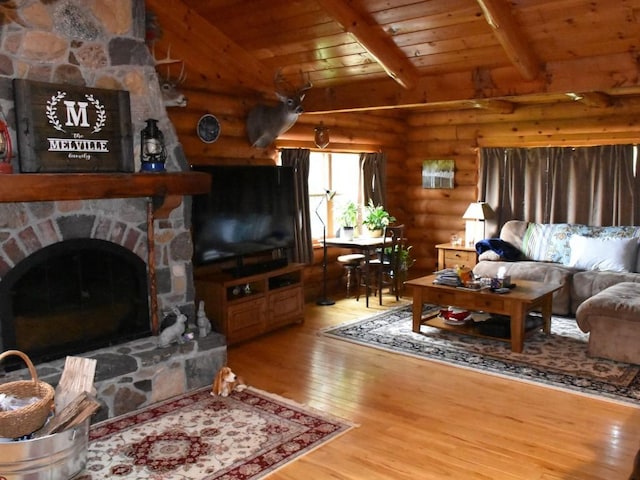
171	96
265	123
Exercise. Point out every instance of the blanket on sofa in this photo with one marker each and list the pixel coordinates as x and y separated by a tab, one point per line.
504	249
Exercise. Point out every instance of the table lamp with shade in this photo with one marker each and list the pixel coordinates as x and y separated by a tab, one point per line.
475	215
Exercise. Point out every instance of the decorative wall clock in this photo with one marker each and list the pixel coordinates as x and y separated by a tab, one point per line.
208	128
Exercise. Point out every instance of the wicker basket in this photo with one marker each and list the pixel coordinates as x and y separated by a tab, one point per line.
23	421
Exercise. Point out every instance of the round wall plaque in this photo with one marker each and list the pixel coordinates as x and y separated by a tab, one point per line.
208	128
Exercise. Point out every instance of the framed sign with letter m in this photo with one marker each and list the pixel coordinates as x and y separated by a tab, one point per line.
67	128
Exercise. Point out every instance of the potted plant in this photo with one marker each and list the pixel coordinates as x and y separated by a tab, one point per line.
348	220
376	218
405	262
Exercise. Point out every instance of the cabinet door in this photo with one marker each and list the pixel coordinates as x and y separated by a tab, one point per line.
286	305
245	320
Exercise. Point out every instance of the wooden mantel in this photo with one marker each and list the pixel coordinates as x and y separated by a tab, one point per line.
165	188
36	187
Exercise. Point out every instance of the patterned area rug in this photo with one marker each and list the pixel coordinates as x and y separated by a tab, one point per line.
196	436
558	360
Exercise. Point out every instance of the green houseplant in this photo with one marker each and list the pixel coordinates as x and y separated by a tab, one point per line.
349	215
349	219
404	257
376	217
405	262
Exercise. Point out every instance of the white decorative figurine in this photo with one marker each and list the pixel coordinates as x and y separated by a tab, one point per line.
204	325
173	333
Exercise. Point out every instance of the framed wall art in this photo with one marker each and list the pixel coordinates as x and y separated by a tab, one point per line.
438	173
70	128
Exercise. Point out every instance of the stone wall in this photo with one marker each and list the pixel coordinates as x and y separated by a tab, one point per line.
100	44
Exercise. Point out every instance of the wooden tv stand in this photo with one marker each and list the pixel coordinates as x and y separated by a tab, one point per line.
246	307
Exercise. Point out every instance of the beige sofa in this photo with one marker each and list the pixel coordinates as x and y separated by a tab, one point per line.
583	259
612	319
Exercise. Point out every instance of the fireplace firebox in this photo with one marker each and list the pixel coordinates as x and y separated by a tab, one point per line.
74	296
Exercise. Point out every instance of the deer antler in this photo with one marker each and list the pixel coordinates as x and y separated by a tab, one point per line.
163	61
182	76
284	87
307	85
168	61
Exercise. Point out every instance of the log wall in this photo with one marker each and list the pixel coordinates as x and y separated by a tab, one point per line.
409	138
457	134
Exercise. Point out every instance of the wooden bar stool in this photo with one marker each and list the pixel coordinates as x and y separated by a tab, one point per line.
351	264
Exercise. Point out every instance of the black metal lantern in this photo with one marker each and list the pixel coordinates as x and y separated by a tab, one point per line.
152	151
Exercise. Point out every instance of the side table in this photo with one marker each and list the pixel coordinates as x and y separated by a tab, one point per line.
451	255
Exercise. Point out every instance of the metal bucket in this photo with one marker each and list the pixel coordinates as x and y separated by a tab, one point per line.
54	457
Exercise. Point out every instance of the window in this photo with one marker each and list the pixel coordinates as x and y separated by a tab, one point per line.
338	173
594	185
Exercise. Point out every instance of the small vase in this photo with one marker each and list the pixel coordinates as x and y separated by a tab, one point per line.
347	233
374	233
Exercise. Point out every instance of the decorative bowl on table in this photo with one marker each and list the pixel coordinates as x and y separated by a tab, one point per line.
455	316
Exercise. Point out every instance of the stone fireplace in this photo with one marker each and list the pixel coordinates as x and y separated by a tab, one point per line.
101	44
130	373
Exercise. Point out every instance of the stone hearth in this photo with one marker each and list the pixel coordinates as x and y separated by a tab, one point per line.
135	374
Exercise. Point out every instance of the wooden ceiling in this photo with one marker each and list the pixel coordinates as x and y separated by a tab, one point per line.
373	54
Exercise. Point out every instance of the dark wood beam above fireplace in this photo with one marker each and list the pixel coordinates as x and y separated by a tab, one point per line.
36	187
165	188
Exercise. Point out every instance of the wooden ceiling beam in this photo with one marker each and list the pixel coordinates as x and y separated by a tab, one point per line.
499	17
615	72
491	106
591	99
374	41
208	52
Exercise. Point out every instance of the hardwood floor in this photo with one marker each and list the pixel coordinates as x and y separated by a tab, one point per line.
423	420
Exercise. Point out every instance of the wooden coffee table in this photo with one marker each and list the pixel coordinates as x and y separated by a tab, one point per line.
526	296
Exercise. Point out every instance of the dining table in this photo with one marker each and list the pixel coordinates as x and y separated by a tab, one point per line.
366	245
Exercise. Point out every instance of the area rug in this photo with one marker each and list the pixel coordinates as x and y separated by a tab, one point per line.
247	436
557	360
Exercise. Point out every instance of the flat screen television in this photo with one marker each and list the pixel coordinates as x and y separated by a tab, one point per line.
249	210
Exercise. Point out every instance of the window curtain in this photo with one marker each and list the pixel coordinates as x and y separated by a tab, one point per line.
588	185
373	168
299	160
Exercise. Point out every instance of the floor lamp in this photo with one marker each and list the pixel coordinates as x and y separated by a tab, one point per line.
324	300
